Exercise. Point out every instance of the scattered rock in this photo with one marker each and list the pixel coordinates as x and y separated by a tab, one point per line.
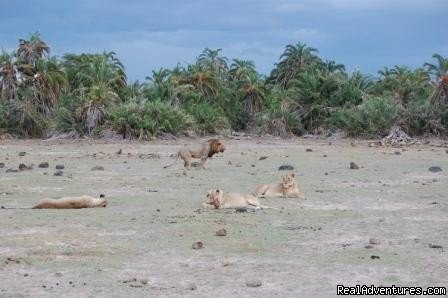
60	167
374	257
11	170
152	190
44	165
397	153
221	232
119	151
369	246
192	287
253	283
229	162
353	166
435	169
58	173
197	245
262	157
22	153
286	168
2	165
324	155
374	241
98	168
241	210
434	246
24	167
309	150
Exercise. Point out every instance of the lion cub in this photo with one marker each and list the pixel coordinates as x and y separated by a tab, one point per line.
226	200
288	188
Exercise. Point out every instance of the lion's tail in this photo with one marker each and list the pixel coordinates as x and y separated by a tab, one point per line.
3	207
177	158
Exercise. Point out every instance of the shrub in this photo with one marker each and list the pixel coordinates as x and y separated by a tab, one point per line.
422	117
373	118
209	119
147	119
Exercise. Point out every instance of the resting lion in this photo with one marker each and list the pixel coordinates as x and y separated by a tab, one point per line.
72	202
226	200
202	151
288	188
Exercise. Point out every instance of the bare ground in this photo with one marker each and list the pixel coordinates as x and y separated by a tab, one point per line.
141	244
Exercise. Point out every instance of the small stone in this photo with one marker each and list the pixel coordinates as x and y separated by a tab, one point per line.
229	162
58	173
368	246
397	153
12	171
262	157
221	232
353	166
253	283
435	246
119	151
24	167
2	165
286	168
197	245
60	167
192	287
22	153
241	210
253	166
44	165
324	155
435	169
98	168
309	150
374	241
374	257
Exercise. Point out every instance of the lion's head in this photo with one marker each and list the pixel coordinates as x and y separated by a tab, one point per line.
216	146
215	197
288	181
101	201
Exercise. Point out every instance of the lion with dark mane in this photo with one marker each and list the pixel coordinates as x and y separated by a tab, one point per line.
202	151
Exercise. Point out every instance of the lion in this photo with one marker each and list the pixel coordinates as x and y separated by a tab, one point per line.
288	188
72	202
203	151
218	199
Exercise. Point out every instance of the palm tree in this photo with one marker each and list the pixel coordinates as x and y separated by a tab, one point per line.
330	66
49	81
293	60
203	80
98	79
241	69
440	73
406	84
252	92
33	49
8	77
212	61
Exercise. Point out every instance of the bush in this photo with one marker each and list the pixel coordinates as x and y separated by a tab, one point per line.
66	115
147	119
373	118
22	118
422	117
209	119
280	122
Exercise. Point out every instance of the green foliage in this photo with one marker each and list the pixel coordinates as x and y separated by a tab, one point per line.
303	94
373	118
209	119
147	119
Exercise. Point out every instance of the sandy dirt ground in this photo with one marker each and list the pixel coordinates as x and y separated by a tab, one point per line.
141	244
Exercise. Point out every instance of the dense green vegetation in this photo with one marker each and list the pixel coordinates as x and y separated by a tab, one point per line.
41	95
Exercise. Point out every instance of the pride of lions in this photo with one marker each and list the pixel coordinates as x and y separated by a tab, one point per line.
216	198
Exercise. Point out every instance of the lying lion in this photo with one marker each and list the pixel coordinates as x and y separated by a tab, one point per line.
226	200
202	151
288	188
72	202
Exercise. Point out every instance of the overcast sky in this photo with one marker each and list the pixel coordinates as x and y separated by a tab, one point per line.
147	35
